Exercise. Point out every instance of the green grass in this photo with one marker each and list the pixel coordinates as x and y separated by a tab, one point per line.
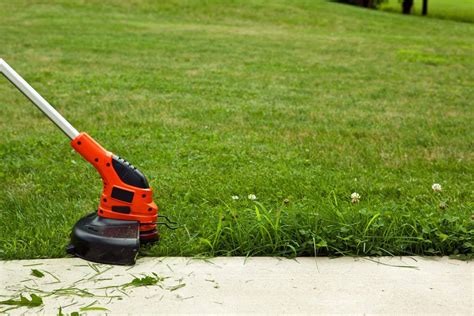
458	10
298	102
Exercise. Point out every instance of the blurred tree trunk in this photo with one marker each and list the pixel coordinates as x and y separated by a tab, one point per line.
365	3
406	6
424	11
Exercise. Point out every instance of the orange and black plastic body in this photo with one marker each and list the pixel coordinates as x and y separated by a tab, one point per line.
126	194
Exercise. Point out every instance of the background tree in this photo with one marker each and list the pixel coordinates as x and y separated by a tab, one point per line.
424	10
406	6
363	3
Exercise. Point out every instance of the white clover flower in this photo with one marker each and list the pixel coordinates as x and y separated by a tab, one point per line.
355	197
436	187
235	197
252	197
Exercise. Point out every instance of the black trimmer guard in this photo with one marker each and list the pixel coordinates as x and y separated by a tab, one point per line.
105	240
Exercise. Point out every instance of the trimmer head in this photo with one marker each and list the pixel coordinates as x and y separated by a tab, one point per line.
105	240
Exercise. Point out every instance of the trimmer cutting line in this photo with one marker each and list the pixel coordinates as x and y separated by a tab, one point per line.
126	213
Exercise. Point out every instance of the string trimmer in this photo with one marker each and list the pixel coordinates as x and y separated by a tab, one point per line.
126	213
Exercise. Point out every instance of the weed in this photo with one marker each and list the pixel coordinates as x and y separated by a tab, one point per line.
144	281
176	287
34	301
37	273
92	307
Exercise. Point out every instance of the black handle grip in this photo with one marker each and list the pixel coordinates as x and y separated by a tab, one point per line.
128	173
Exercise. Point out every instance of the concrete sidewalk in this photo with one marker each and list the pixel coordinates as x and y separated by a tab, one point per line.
237	285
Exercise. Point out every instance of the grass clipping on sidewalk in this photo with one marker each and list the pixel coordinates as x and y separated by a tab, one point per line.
42	293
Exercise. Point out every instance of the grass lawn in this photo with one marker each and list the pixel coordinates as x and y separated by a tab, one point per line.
298	102
459	10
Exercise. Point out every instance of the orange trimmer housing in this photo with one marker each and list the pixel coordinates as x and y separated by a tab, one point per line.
126	194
